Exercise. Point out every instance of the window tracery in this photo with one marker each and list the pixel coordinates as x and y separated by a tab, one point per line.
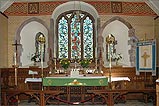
75	34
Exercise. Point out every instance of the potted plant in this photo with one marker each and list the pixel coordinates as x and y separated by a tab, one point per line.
65	63
85	63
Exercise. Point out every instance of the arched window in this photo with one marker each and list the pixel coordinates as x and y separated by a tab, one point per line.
75	34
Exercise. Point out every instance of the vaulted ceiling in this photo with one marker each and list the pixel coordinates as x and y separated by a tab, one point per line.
153	4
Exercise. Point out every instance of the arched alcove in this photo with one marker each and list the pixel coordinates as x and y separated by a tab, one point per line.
25	35
124	33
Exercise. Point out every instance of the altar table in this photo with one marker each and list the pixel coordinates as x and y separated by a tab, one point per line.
78	81
48	80
75	89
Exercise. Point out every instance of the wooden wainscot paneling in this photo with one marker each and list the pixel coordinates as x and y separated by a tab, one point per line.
119	71
8	76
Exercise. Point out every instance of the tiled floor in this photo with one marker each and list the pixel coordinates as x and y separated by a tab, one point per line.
128	103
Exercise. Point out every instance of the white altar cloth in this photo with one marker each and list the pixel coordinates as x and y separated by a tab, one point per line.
80	76
119	79
33	80
112	78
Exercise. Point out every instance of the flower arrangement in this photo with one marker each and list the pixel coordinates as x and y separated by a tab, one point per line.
116	57
85	62
35	57
65	63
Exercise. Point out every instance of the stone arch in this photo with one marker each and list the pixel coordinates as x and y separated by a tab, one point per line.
119	19
18	37
69	6
131	34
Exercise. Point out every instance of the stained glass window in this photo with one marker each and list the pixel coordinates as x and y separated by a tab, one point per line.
88	38
75	38
75	35
63	38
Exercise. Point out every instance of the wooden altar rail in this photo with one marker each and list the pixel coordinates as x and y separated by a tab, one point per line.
40	96
110	96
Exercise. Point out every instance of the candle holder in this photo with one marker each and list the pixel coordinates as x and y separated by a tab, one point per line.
42	41
110	39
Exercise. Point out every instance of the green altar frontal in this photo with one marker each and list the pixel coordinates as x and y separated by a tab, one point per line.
79	81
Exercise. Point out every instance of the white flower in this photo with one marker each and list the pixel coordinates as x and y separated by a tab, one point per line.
116	57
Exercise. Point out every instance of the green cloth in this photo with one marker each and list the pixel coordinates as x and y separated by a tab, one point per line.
79	81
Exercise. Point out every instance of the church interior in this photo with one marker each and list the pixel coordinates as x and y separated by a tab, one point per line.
79	52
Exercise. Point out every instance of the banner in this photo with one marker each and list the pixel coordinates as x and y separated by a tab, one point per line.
146	57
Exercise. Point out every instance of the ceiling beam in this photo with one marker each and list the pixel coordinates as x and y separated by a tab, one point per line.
154	5
4	4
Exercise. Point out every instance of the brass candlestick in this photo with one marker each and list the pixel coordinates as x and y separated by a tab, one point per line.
110	39
42	41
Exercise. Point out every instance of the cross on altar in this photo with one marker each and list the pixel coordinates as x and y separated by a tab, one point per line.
145	56
16	45
16	49
15	61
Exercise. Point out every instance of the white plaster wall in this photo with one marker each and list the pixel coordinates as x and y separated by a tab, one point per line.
28	34
120	32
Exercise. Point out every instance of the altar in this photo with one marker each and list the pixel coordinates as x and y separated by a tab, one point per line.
74	89
75	81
